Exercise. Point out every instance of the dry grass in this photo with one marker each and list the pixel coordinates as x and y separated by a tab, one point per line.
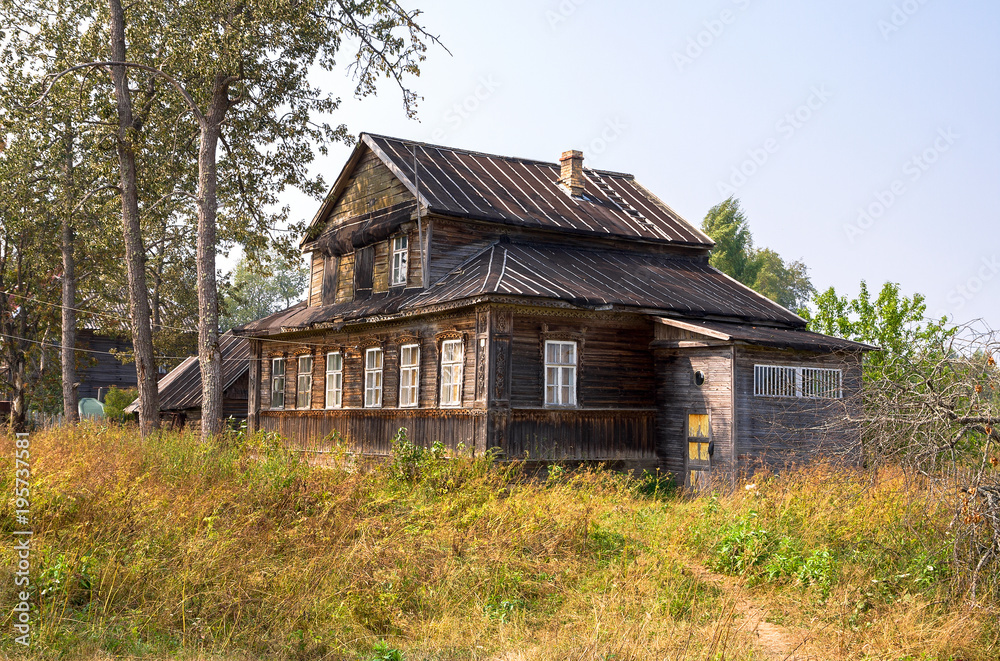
171	548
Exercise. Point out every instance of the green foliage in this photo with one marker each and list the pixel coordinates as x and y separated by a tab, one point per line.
382	651
762	269
263	285
893	322
115	402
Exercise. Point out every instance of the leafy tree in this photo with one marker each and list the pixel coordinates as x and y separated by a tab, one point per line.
762	269
260	288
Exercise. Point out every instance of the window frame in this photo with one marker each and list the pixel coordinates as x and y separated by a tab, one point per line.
338	387
308	376
408	368
378	374
560	370
456	381
398	273
797	382
274	377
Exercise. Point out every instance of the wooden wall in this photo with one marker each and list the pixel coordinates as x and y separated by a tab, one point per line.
97	372
614	365
371	430
777	431
678	395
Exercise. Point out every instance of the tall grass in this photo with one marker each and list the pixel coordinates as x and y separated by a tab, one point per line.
174	548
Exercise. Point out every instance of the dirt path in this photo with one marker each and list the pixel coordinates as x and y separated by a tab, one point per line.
776	642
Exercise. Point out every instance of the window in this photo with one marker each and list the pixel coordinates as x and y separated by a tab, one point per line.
451	373
278	383
803	382
409	374
304	385
399	256
334	380
560	373
373	378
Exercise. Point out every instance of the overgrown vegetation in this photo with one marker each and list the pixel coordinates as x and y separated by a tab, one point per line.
239	549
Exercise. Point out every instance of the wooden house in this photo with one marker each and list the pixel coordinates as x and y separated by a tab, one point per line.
548	310
180	389
98	368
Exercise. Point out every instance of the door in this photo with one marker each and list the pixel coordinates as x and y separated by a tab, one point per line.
699	446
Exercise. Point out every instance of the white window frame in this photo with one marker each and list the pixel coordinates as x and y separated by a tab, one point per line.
277	379
789	381
337	377
409	394
303	382
400	259
556	373
451	387
373	377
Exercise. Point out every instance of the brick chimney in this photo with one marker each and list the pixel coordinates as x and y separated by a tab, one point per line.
571	176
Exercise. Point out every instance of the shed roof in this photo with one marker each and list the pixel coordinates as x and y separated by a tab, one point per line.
522	192
181	388
796	338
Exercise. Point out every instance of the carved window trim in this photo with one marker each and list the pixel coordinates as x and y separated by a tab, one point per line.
374	371
338	387
304	381
409	369
455	380
276	361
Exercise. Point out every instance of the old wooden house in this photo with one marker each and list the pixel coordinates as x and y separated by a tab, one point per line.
548	310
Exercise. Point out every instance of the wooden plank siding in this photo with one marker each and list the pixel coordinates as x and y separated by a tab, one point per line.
678	396
316	270
778	431
582	434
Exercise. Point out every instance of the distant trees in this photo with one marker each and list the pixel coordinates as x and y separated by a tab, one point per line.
263	286
193	115
762	269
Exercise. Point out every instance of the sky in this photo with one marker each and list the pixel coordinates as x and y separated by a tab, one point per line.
861	137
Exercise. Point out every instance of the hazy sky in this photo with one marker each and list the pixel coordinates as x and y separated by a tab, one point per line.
862	137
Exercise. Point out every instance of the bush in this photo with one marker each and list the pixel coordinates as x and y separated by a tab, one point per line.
115	402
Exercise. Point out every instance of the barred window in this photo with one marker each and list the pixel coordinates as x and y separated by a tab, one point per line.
278	383
802	382
334	380
373	378
303	391
409	374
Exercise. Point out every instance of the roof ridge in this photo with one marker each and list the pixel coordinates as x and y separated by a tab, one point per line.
473	152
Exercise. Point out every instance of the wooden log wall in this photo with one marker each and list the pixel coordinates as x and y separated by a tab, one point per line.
614	363
427	332
779	431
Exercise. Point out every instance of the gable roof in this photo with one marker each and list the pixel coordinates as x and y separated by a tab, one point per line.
521	192
181	387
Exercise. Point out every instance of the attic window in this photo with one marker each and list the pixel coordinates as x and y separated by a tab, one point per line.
800	382
399	259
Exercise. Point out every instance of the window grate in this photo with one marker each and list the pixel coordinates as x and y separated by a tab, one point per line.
800	382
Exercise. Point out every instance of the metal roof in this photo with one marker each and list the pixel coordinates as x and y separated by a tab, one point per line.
683	285
796	338
664	283
522	192
181	388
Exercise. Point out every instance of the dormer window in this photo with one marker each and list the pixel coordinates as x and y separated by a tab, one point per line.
400	247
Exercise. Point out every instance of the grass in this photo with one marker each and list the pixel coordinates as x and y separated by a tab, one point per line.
170	548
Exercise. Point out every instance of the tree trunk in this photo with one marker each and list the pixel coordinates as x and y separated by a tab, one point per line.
209	356
135	255
68	353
